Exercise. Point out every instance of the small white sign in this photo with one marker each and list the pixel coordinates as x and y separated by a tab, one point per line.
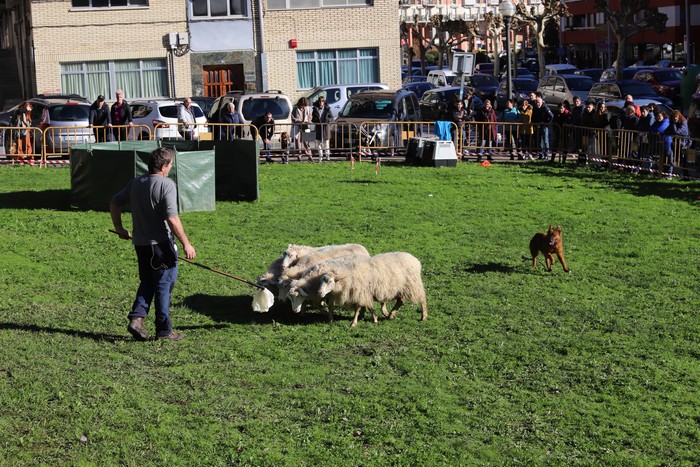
463	62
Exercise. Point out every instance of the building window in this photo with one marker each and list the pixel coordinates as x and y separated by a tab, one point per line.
345	66
218	8
138	78
107	3
306	4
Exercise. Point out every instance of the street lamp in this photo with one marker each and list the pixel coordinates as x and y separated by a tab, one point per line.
507	10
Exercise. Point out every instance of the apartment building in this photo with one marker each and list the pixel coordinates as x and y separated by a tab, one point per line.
92	47
306	43
589	41
198	47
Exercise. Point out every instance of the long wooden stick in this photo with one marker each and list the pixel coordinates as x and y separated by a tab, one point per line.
211	269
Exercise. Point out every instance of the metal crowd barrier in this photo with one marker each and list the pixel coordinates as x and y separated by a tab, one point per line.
21	144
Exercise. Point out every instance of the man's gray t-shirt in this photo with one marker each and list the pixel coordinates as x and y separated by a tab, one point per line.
153	199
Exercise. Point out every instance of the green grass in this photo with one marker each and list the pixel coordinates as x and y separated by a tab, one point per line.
513	365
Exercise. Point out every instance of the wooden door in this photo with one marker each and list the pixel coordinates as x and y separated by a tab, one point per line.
220	79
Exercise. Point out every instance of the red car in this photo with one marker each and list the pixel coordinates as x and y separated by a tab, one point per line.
665	81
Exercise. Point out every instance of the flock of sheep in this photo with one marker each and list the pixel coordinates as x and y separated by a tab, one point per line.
345	276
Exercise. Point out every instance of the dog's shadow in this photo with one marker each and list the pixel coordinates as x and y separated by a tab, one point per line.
488	267
238	310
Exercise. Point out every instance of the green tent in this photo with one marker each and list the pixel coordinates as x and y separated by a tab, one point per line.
203	171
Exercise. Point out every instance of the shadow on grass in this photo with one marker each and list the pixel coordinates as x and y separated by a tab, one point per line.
96	336
489	267
238	310
56	200
638	185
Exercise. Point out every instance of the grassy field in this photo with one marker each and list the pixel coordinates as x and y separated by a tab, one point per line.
513	365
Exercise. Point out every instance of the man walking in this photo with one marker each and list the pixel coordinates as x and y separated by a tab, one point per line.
153	201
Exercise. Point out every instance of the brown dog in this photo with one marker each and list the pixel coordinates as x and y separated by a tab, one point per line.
548	243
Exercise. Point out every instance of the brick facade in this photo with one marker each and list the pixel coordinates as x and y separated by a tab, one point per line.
326	28
62	34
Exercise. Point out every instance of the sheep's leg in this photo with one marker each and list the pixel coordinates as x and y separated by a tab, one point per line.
385	312
423	311
397	305
357	315
374	316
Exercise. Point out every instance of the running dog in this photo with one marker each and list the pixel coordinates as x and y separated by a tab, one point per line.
548	243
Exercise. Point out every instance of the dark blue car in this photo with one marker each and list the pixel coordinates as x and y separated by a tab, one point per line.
418	88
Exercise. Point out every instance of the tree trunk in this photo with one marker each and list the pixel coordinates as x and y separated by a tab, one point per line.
540	48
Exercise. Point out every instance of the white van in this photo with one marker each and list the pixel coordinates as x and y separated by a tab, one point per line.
441	78
337	94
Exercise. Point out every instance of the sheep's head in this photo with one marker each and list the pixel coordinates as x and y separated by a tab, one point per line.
327	285
283	287
289	257
297	295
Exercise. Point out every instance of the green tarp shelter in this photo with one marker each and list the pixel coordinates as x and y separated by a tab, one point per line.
203	171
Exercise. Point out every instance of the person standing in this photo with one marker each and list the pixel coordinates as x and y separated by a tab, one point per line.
542	116
120	115
488	130
510	132
24	123
459	118
231	117
525	129
300	124
265	125
100	119
185	118
561	120
322	115
153	202
676	140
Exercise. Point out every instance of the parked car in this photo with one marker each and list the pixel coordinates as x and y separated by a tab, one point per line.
160	116
379	107
519	72
414	79
533	65
204	103
434	103
593	73
253	105
665	81
559	69
337	94
670	63
68	111
556	89
440	78
418	88
522	87
486	68
483	85
617	90
627	73
615	107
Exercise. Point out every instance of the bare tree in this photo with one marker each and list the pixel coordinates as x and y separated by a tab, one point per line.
449	33
413	28
630	18
552	10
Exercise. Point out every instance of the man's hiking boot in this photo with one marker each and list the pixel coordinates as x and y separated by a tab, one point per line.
137	329
173	336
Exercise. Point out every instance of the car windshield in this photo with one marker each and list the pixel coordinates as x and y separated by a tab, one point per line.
583	83
484	80
640	89
525	85
670	75
257	106
69	112
170	111
369	108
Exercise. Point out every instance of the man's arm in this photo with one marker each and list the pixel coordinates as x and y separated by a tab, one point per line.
116	212
179	232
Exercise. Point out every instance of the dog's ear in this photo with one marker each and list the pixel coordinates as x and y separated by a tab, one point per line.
559	228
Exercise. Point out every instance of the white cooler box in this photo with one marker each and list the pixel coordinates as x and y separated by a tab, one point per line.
439	153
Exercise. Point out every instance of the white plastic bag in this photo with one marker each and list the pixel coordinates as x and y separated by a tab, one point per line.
263	300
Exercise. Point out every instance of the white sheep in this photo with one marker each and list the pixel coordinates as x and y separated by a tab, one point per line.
294	254
384	277
311	258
